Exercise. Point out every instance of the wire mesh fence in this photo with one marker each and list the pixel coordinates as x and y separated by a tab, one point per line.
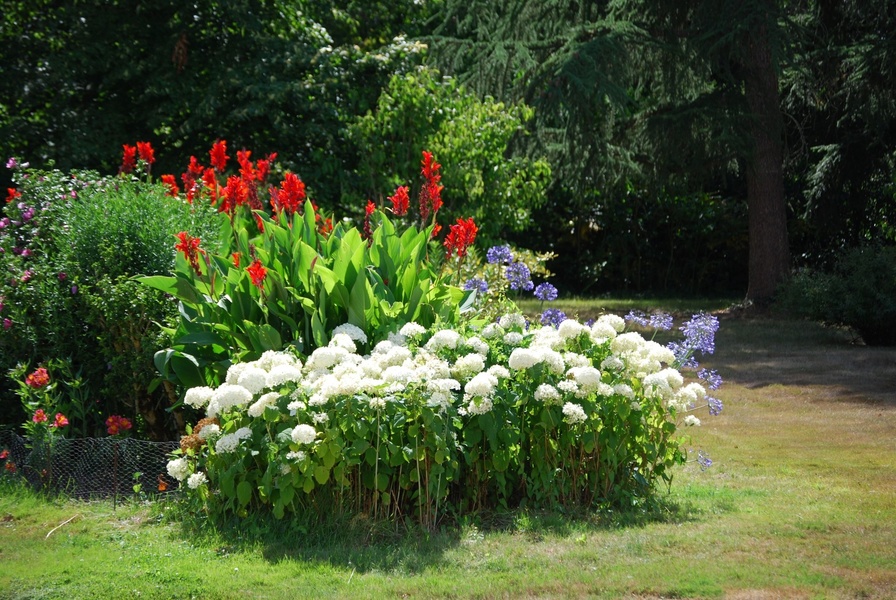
89	468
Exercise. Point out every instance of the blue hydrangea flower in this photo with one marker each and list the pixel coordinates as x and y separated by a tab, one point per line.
553	317
475	283
519	276
499	254
545	291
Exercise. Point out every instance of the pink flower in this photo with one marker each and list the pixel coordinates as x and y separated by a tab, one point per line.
39	416
60	421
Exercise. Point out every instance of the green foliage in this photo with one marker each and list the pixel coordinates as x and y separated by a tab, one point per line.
470	136
858	292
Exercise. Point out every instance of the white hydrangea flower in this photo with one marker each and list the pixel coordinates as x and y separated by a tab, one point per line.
397	339
325	357
209	431
499	371
397	355
492	331
547	393
624	390
253	379
573	359
479	405
198	397
295	406
612	363
512	338
482	385
196	480
444	338
259	406
280	374
523	358
179	468
477	345
554	360
568	386
304	434
627	343
601	332
587	378
341	340
228	396
614	321
274	358
320	418
227	443
570	329
353	331
233	373
399	374
467	366
512	320
574	413
377	403
297	455
547	337
412	330
442	385
692	421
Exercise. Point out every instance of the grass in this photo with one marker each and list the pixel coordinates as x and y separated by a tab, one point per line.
799	504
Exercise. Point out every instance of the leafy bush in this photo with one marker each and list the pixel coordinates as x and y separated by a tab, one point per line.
68	246
445	421
858	292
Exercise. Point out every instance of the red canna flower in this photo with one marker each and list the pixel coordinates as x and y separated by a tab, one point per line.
400	201
218	155
436	228
190	247
146	153
291	195
247	169
263	166
38	379
12	194
39	416
171	182
193	174
258	273
431	192
460	237
368	210
60	421
233	195
211	184
236	259
128	159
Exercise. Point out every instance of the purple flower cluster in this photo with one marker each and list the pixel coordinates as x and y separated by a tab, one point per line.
499	255
700	333
715	406
519	276
545	291
712	378
475	283
553	317
660	321
703	460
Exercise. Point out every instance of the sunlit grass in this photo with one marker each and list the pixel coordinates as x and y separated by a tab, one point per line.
799	504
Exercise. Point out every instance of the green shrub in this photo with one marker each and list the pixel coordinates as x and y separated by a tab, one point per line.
858	292
70	244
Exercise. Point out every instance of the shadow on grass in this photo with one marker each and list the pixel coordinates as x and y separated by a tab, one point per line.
402	546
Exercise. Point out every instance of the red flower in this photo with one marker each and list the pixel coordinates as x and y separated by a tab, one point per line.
368	210
39	416
171	182
128	159
436	228
4	455
218	155
263	166
257	272
400	201
431	192
10	466
291	195
236	259
460	237
235	194
190	247
211	184
60	421
146	153
116	424
38	379
247	169
193	173
12	194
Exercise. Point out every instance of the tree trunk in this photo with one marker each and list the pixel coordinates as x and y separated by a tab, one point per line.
769	262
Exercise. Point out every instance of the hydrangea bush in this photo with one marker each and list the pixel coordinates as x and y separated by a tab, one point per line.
436	421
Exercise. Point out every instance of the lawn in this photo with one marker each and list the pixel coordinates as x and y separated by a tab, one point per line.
798	504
